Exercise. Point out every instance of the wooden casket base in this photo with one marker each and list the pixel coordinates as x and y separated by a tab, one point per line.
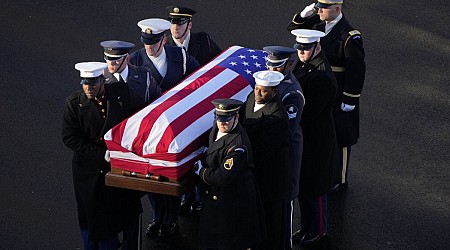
154	184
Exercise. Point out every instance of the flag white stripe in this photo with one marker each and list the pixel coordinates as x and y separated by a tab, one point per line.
201	125
129	156
134	122
179	108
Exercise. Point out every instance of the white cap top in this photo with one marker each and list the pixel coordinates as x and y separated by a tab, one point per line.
154	25
268	78
90	69
307	36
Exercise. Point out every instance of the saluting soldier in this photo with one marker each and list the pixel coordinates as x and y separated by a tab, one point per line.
88	114
199	45
232	216
319	157
279	59
168	64
266	122
343	47
139	79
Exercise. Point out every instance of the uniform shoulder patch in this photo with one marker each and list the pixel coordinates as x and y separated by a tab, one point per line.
354	32
291	111
228	164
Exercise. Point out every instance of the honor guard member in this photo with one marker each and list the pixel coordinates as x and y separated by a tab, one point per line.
232	216
139	79
319	157
266	122
278	59
168	64
203	49
199	45
343	47
103	211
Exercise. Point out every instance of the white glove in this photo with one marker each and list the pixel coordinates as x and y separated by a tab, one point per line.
107	156
347	108
198	166
308	11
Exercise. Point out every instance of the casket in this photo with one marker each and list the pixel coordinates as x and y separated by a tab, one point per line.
168	136
151	183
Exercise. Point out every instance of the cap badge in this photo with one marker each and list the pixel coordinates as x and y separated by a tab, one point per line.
221	106
176	10
148	31
228	164
109	49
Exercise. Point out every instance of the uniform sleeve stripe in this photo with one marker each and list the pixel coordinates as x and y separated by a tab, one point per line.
351	95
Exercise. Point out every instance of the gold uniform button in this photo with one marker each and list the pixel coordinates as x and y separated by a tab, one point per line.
214	197
206	192
101	171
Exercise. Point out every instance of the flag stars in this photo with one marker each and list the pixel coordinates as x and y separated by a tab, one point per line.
258	65
233	63
251	50
255	57
248	71
241	56
245	63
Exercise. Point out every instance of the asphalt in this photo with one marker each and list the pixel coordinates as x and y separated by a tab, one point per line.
398	196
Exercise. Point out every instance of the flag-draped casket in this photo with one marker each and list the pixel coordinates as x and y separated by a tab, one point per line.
169	135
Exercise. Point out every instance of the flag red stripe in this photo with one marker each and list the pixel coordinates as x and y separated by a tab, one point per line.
197	111
149	120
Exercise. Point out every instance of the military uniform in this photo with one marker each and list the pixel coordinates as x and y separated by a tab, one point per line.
343	47
179	65
102	210
201	47
268	130
232	215
319	158
140	80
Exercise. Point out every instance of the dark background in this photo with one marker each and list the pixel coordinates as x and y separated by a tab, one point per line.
398	196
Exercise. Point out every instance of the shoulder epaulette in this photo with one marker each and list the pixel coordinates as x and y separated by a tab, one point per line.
354	32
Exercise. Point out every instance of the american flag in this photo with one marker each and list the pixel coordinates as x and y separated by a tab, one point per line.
169	135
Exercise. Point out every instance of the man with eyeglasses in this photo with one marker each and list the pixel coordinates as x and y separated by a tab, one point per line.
343	47
139	79
103	211
199	45
319	157
168	64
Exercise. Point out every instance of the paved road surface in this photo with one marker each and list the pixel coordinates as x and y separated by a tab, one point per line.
399	194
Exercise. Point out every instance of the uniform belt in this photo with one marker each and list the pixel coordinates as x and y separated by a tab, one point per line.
337	69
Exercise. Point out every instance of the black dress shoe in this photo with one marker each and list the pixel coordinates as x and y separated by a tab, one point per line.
298	235
310	239
153	229
167	230
338	187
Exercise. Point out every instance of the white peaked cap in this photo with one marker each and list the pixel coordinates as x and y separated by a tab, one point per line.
268	78
90	69
307	36
154	25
